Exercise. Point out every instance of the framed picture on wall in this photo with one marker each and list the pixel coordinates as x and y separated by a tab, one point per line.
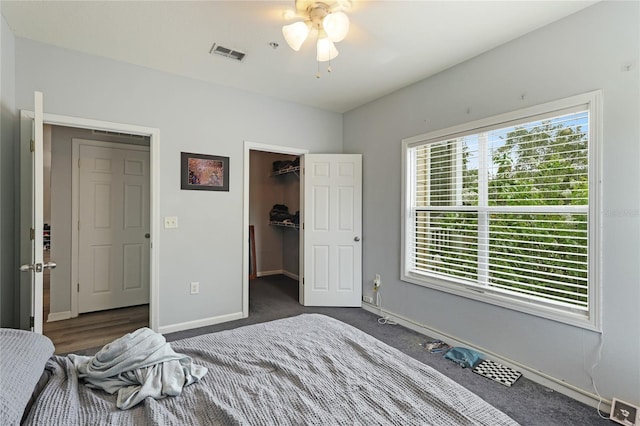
204	172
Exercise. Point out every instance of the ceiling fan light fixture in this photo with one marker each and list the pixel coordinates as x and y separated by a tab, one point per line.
326	50
295	34
323	20
336	25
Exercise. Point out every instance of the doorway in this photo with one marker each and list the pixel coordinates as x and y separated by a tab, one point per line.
274	204
69	324
330	214
33	298
266	154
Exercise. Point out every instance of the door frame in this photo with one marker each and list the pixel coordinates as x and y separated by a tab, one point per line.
154	188
75	206
248	147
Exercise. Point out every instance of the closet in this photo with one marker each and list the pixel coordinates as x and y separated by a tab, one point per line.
274	204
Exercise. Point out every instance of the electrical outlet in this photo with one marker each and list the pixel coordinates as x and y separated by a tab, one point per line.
368	299
171	221
195	288
623	412
377	282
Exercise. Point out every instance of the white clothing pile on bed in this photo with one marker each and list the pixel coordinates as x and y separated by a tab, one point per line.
136	366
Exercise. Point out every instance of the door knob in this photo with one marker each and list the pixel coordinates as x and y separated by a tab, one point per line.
356	239
38	267
147	235
26	268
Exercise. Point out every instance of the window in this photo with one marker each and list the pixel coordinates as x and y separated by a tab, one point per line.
503	210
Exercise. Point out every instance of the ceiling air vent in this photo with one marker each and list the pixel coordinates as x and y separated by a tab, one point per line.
227	53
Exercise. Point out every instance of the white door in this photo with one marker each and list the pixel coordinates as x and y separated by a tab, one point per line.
332	228
113	230
31	208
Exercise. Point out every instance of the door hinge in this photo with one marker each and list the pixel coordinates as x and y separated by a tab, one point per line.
78	288
32	322
32	234
32	145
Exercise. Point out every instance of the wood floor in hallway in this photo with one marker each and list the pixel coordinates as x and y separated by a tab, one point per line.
91	329
95	328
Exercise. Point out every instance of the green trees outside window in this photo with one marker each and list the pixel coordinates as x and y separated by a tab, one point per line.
507	209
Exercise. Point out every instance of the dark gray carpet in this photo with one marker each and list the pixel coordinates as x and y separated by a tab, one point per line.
526	402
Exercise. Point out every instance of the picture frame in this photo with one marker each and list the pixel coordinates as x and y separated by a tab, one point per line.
204	172
624	413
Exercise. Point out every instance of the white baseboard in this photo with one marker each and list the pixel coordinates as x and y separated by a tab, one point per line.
58	316
530	373
199	323
277	272
267	273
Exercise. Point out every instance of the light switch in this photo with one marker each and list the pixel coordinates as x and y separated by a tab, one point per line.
171	221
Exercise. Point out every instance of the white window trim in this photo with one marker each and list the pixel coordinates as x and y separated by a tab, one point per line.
592	320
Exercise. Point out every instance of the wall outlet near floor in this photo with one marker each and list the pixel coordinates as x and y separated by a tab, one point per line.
624	413
195	288
376	282
368	299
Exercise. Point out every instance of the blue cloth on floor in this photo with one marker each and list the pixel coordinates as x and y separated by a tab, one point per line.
464	357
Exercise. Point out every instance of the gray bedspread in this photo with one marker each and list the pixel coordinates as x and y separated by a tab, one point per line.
309	369
23	355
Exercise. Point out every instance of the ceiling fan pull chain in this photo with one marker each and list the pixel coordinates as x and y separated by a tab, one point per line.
318	59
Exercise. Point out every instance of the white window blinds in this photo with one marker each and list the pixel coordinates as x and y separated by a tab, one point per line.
505	209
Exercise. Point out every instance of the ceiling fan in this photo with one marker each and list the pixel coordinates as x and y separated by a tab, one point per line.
324	21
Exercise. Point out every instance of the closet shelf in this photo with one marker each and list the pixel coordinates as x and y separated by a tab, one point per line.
284	224
288	170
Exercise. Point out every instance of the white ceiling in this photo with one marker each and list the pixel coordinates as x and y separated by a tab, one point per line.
391	44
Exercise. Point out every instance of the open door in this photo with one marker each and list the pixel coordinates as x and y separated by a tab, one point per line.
331	264
31	213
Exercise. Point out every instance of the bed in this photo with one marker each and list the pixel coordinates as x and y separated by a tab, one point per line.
310	369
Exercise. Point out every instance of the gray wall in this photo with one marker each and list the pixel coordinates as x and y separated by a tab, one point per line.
192	116
584	52
8	262
61	168
46	178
